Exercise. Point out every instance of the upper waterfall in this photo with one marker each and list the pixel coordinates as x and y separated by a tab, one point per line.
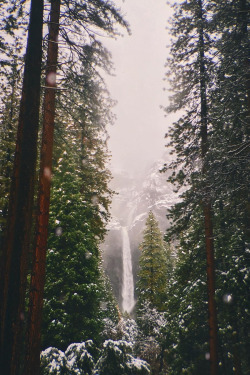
128	300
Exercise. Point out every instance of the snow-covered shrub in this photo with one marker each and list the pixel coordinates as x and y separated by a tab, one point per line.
110	330
150	350
150	339
53	362
116	359
130	330
150	320
78	359
126	329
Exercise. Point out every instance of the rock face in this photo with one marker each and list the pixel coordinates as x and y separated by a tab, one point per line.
130	208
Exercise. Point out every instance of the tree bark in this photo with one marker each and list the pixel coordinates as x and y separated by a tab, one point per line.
33	343
17	241
212	313
207	209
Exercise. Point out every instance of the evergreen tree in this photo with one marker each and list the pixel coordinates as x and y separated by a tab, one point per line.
33	340
72	303
82	57
154	271
186	338
151	285
221	168
80	208
80	148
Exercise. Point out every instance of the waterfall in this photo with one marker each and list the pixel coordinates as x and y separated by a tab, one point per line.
128	300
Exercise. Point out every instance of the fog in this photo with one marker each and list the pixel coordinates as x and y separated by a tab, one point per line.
137	137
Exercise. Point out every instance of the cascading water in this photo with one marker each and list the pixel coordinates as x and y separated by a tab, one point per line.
128	300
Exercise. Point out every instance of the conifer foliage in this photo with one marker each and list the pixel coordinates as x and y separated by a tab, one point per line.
154	271
210	141
152	281
84	110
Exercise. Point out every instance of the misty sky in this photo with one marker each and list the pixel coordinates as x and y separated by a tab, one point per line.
137	137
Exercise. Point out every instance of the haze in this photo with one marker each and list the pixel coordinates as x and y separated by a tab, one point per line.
137	138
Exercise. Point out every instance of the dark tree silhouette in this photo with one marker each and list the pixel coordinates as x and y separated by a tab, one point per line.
16	247
32	358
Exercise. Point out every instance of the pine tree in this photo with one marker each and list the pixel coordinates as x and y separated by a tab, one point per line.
33	340
186	338
152	281
154	271
79	210
73	285
219	104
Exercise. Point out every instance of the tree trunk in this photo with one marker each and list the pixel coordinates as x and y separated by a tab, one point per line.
212	314
17	240
32	359
209	243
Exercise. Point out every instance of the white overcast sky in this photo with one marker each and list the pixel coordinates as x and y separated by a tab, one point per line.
137	138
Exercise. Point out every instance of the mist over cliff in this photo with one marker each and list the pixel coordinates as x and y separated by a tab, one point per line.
137	195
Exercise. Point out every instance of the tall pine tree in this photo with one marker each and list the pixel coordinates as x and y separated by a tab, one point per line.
154	272
151	285
211	88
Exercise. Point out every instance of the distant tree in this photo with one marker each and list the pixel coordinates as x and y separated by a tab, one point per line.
155	267
152	276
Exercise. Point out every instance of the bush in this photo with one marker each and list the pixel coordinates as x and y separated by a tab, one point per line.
53	362
116	359
76	360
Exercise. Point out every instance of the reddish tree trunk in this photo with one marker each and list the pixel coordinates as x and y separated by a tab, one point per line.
32	359
209	242
17	240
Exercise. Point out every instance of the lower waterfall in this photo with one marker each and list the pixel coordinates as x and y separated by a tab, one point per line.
128	300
